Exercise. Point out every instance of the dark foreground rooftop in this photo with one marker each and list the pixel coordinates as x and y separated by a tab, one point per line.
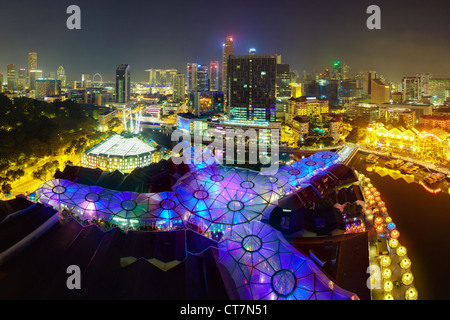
114	265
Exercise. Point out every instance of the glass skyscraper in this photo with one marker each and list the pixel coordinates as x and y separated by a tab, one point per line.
123	82
252	87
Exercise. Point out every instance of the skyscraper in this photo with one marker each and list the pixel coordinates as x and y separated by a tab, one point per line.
202	79
252	87
11	76
47	88
214	76
123	83
86	81
381	93
283	89
34	75
228	49
32	61
1	82
179	87
61	75
21	79
191	76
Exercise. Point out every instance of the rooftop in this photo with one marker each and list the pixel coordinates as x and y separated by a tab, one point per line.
118	145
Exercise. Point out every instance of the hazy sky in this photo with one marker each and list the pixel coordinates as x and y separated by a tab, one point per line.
309	35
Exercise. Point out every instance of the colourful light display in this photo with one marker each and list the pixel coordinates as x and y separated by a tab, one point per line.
218	198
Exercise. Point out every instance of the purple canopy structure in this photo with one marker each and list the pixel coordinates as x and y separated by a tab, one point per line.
265	267
57	193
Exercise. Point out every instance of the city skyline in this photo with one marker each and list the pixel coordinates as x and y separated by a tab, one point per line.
307	36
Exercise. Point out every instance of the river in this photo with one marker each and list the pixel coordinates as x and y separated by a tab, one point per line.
423	219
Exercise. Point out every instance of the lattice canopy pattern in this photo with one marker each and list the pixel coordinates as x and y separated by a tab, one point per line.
264	266
126	209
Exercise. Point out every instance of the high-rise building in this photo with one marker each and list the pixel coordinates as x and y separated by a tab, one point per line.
363	79
86	81
345	72
251	83
21	82
47	88
283	93
11	76
337	70
123	83
34	75
32	61
1	82
381	93
191	76
202	78
214	76
410	88
32	64
197	76
228	49
61	75
179	87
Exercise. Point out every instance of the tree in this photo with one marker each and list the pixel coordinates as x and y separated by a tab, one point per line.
6	187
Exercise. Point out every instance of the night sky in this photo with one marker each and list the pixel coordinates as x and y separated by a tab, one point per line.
308	34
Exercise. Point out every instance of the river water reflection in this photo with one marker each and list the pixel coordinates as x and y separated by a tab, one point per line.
423	219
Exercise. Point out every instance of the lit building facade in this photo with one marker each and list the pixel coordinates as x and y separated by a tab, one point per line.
428	145
227	50
47	88
11	76
120	153
252	87
436	121
214	76
437	90
419	109
61	76
179	87
306	107
381	93
123	83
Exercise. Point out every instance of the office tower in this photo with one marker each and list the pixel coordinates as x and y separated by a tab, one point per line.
32	64
410	89
34	75
123	83
32	61
381	93
337	70
283	92
21	81
347	92
47	88
345	72
11	76
202	78
179	87
1	82
228	49
86	81
61	75
214	76
283	81
252	87
191	76
364	81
